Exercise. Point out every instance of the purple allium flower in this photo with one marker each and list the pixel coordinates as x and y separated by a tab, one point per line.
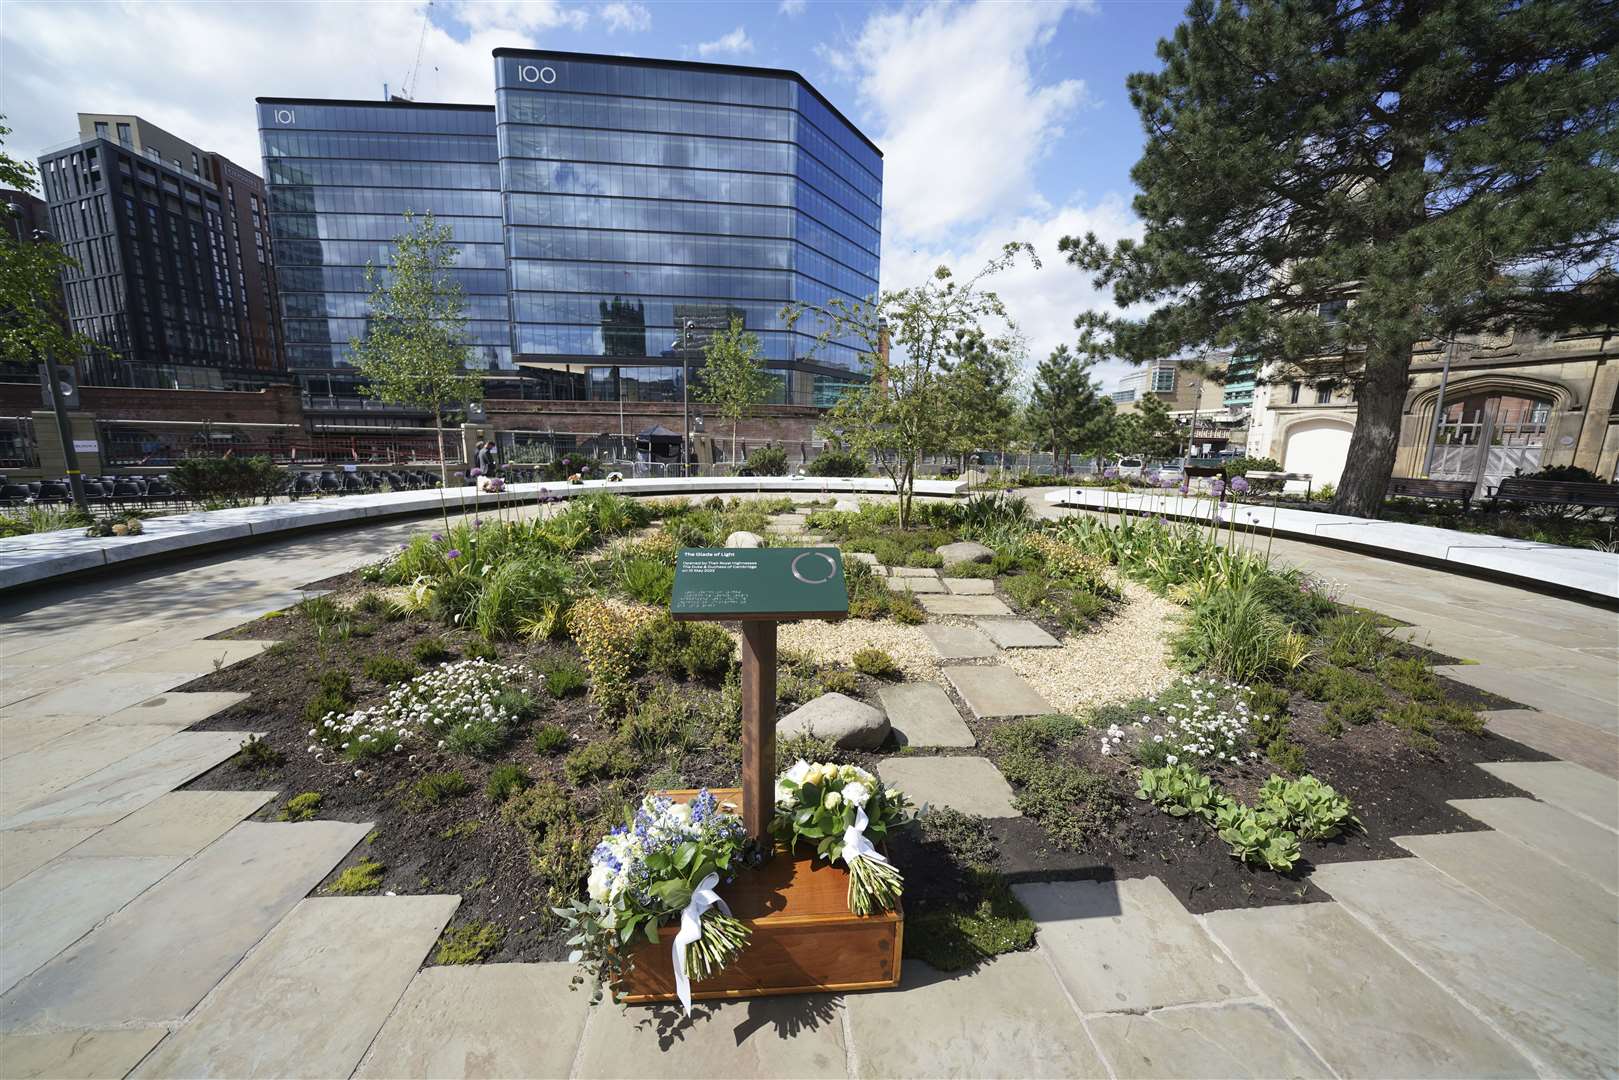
1161	521
1186	487
1167	481
438	538
453	553
477	472
1239	484
477	523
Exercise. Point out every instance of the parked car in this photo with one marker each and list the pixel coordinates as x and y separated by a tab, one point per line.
1129	468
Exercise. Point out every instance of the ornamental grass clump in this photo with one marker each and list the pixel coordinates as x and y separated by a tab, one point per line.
456	706
663	865
841	809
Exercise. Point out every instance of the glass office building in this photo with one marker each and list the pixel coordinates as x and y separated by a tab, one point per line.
611	212
341	175
650	202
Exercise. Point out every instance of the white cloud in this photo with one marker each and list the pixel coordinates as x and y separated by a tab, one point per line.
792	7
961	113
957	100
1044	301
619	16
736	43
60	58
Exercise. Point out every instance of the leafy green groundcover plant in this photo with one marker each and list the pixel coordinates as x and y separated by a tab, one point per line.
1268	834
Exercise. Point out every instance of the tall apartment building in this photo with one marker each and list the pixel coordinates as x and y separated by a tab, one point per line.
161	232
610	212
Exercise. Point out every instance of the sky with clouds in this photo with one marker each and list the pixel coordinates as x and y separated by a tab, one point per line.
998	120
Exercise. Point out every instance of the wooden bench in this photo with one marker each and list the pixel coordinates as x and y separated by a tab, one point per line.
1432	490
1281	478
1520	489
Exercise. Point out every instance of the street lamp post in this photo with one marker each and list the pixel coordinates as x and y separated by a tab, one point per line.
685	398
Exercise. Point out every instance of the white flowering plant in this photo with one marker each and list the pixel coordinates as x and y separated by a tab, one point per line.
1197	721
664	863
842	809
465	706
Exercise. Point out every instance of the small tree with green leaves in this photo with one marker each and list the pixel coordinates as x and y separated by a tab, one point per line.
1067	410
413	352
905	336
979	398
732	379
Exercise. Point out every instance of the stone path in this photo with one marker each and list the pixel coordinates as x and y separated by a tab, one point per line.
152	931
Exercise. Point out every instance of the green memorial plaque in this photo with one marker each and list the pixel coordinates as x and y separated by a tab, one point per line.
759	583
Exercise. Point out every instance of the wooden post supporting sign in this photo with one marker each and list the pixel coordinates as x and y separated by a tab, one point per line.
758	728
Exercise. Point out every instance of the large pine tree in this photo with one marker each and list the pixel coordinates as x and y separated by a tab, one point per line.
1067	410
1446	166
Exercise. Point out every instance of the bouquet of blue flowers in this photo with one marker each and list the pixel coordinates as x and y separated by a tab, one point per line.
664	864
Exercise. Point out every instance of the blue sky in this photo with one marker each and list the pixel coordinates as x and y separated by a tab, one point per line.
999	121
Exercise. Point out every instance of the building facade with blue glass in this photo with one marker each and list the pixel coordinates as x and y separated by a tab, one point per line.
611	213
341	176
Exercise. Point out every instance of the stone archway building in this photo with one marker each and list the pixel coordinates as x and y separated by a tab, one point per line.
1512	401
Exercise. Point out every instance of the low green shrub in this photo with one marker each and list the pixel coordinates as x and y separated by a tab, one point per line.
1354	639
840	682
550	739
836	463
876	663
658	722
767	460
647	580
1037	756
478	649
1180	791
596	761
257	753
685	649
430	650
1414	677
506	781
388	670
435	788
563	677
303	807
806	746
469	943
987	920
1256	837
363	877
970	570
1308	807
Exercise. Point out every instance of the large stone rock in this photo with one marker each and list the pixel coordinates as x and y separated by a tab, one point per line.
964	551
846	506
744	540
849	724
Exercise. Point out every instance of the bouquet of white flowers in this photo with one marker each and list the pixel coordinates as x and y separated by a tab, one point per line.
841	809
664	864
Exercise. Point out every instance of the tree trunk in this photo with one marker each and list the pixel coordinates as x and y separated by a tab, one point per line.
734	462
1380	404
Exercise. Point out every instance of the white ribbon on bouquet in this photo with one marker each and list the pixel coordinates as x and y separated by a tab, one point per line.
855	844
691	928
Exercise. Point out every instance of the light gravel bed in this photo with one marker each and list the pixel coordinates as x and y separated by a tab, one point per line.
1127	657
837	642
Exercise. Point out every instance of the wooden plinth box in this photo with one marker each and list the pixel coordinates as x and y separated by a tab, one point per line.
805	939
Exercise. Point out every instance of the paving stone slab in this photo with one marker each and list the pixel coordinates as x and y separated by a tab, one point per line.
179	823
27	778
311	998
916	584
1569	740
968	586
913	572
787	1037
125	786
95	697
1357	1002
964	605
479	1020
1573	843
156	958
1236	1040
196	657
922	714
1017	634
1128	945
76	1055
991	690
1564	1010
1572	787
1572	910
22	851
972	785
59	903
1009	1018
1552	689
861	556
177	709
958	642
22	733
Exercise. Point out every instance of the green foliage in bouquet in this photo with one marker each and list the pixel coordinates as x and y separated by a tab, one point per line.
830	806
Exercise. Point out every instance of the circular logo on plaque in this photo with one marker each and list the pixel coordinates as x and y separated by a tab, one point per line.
814	568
